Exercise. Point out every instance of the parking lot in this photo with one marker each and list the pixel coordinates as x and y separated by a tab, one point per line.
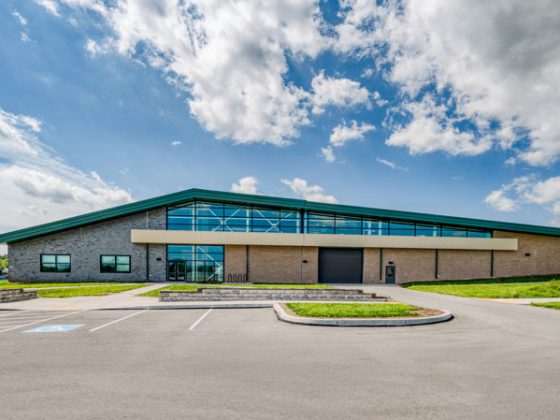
493	361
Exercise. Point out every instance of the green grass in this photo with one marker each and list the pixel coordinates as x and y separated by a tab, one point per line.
550	288
526	279
195	287
551	305
100	290
4	284
353	310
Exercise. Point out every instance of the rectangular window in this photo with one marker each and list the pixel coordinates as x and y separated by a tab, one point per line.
195	263
55	263
115	263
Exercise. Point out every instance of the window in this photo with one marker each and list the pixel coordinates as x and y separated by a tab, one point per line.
229	217
54	263
195	263
115	263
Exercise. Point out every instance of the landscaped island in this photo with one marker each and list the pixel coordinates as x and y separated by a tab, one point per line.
357	310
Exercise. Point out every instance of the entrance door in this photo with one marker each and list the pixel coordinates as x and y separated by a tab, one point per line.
176	270
390	274
340	265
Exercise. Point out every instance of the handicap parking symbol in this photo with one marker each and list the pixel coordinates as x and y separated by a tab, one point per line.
54	328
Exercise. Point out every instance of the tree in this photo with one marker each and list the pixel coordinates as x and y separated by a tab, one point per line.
3	262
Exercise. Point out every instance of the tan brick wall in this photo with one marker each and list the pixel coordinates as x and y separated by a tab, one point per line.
276	264
371	266
311	267
411	264
544	258
235	263
461	265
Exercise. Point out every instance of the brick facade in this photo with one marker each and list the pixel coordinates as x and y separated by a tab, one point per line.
537	255
277	264
543	256
85	246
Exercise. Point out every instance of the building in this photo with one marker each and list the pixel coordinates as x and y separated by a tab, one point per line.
202	236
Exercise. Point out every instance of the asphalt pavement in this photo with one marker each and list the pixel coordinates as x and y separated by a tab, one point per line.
493	361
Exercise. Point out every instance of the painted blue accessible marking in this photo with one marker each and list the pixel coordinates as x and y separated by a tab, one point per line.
54	328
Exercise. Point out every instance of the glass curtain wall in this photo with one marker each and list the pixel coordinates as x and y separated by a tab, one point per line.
219	217
195	263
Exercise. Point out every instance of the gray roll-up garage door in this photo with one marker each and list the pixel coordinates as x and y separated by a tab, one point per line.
340	265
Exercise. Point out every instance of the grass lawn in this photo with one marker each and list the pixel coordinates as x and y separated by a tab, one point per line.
353	310
98	290
488	289
551	305
195	287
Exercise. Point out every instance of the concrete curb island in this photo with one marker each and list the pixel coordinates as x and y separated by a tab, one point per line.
361	322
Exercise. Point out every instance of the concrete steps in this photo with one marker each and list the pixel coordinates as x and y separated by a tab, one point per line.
252	294
15	295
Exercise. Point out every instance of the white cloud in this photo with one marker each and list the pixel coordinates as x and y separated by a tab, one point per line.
430	130
24	37
34	179
246	185
497	61
528	190
22	21
499	201
342	133
229	56
338	92
367	73
302	189
328	154
391	164
50	5
176	143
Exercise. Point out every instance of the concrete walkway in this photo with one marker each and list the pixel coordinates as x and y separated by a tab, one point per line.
130	299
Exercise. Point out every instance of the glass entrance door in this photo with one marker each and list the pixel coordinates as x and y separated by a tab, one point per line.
177	270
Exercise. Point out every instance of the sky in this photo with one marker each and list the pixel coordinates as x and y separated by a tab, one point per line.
433	106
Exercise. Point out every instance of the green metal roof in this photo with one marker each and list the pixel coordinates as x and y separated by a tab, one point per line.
290	203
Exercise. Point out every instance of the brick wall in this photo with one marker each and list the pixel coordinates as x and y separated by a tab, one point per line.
275	264
544	256
411	264
85	246
460	265
371	266
235	263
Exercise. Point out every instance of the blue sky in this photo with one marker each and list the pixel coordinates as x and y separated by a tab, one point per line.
440	107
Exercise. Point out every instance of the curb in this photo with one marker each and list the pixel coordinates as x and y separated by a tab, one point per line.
364	322
194	306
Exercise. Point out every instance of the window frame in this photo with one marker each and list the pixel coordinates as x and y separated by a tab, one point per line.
115	256
56	263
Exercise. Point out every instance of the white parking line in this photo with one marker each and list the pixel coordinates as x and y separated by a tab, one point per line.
199	320
38	322
117	320
14	313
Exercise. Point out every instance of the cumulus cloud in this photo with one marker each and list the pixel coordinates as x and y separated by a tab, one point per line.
245	185
230	57
328	154
528	190
32	176
431	129
302	189
338	92
343	133
497	62
175	143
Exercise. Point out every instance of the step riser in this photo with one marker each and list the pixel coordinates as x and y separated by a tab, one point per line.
228	294
16	295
